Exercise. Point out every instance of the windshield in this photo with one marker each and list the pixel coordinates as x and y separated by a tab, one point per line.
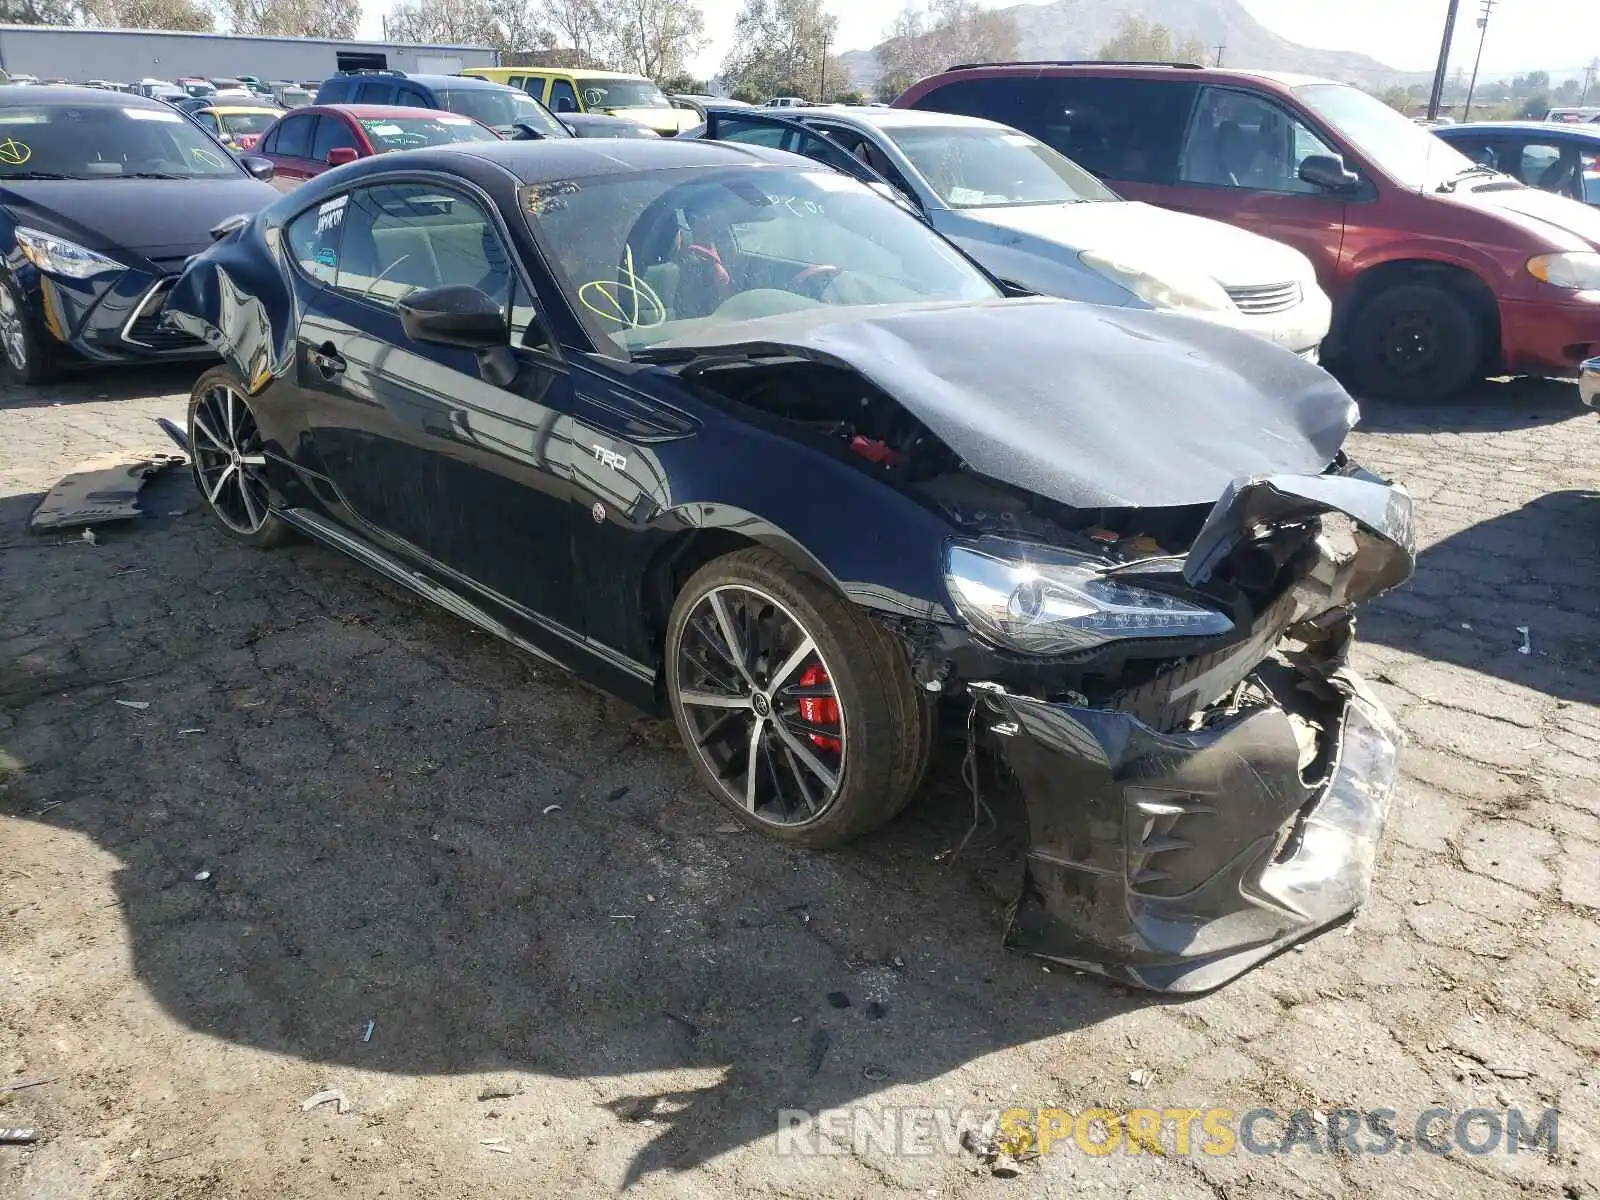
1399	146
991	168
622	93
500	108
407	133
238	123
650	256
105	141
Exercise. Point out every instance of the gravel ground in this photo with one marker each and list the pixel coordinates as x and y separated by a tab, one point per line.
578	978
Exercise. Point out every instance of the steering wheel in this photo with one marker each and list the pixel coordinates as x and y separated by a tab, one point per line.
814	280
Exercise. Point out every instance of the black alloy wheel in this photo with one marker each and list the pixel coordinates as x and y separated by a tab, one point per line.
228	458
799	712
1417	341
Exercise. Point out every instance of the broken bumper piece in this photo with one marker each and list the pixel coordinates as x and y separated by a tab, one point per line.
1176	861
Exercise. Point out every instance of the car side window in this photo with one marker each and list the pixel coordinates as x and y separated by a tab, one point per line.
563	97
1546	165
1241	140
331	132
375	93
269	144
1479	150
314	236
402	238
863	149
411	99
294	137
752	133
1116	128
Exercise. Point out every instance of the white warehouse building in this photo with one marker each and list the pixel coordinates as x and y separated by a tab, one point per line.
128	55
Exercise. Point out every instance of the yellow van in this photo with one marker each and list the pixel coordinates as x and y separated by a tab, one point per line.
612	93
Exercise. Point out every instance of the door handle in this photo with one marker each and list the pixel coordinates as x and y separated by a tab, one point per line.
328	361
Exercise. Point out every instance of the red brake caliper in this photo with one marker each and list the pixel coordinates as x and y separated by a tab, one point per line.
819	710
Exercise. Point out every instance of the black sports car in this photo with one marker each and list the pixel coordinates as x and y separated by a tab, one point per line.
735	437
103	196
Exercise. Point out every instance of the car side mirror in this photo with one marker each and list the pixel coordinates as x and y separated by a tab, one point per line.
523	132
262	168
467	318
339	155
1328	171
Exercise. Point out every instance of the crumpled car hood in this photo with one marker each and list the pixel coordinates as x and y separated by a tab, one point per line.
1089	406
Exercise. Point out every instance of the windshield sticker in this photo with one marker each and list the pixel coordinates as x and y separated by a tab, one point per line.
541	198
629	301
14	153
327	258
152	114
206	157
454	120
384	128
330	214
962	195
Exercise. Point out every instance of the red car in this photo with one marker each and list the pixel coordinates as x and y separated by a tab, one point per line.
309	140
1441	270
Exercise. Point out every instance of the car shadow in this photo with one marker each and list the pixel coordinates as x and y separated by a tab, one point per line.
1490	406
340	806
131	382
1532	568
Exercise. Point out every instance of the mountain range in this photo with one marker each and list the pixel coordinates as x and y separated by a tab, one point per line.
1075	29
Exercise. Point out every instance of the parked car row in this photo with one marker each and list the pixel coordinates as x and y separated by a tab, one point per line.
1441	269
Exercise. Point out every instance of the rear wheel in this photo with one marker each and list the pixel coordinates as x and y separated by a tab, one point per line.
1416	341
800	713
228	458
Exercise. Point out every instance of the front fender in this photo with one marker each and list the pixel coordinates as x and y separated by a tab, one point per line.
244	314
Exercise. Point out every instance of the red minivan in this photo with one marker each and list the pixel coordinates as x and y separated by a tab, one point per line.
1442	271
311	139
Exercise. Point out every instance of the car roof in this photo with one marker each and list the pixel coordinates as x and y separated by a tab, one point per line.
1283	79
72	94
876	118
550	159
1583	132
227	110
386	111
584	71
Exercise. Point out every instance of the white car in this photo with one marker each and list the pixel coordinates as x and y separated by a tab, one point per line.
1034	218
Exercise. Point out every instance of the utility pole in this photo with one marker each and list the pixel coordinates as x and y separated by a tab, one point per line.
822	73
1588	78
1444	60
1483	34
1221	46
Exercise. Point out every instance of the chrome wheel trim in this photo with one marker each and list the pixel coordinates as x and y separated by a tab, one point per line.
13	338
229	465
735	680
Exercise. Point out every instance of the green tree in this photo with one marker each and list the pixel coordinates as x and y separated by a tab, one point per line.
1396	98
293	18
923	41
781	48
149	14
1137	40
653	37
579	23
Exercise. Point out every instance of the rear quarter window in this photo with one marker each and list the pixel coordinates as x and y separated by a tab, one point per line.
1118	128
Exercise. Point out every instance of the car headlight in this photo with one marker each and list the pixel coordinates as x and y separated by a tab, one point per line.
1169	289
1580	271
1065	604
61	257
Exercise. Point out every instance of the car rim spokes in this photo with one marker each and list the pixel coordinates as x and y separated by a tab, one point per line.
229	461
761	705
11	335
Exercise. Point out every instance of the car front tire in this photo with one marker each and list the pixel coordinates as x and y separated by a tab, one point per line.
27	356
798	710
1415	341
227	458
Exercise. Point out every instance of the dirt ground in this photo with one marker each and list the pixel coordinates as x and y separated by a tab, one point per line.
348	842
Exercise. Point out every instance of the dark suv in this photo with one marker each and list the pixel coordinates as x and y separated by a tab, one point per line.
1441	270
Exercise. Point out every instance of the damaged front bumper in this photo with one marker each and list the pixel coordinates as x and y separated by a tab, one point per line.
1183	832
1176	861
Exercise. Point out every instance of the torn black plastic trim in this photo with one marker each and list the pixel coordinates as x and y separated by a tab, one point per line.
1176	861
